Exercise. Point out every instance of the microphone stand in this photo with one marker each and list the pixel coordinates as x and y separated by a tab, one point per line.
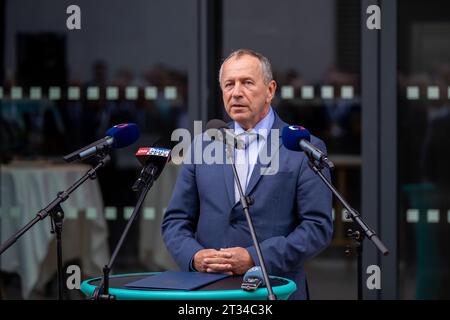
143	184
57	217
246	202
357	235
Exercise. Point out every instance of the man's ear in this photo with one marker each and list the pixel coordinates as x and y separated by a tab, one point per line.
272	87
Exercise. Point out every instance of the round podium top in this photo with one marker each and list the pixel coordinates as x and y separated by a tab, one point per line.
225	289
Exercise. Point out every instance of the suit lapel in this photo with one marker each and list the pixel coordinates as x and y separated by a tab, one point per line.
256	173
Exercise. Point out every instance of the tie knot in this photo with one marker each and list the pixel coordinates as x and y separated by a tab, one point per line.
247	138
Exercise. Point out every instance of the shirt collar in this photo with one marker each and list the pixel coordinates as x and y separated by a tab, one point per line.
262	127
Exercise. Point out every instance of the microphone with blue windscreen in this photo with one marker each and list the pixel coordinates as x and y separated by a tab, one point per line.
123	134
297	138
119	136
253	279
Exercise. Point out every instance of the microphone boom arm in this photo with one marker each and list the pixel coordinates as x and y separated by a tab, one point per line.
143	184
356	217
246	202
57	214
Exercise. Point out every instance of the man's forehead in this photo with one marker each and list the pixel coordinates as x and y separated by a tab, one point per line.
244	63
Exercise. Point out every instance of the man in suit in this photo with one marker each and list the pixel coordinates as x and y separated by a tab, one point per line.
204	226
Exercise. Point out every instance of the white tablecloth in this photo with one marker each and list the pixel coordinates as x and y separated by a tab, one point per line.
25	189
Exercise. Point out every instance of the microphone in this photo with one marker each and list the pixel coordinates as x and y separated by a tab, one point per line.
154	160
231	138
232	141
119	136
253	279
297	138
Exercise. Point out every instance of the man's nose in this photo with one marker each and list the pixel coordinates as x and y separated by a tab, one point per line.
237	90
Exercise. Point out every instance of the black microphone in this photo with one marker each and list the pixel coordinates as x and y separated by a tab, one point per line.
230	139
154	160
296	138
119	136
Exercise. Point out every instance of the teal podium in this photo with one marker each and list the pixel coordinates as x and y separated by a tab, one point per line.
225	289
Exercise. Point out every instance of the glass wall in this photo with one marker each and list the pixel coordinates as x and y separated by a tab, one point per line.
314	48
423	129
62	89
138	62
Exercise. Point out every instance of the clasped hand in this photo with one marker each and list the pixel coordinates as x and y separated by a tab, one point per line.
232	261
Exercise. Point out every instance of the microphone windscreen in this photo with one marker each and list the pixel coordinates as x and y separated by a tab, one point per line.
124	134
216	124
292	135
255	272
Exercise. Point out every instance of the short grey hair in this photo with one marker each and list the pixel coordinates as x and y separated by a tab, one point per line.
265	63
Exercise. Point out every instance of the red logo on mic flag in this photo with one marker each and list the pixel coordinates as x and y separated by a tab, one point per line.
142	151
